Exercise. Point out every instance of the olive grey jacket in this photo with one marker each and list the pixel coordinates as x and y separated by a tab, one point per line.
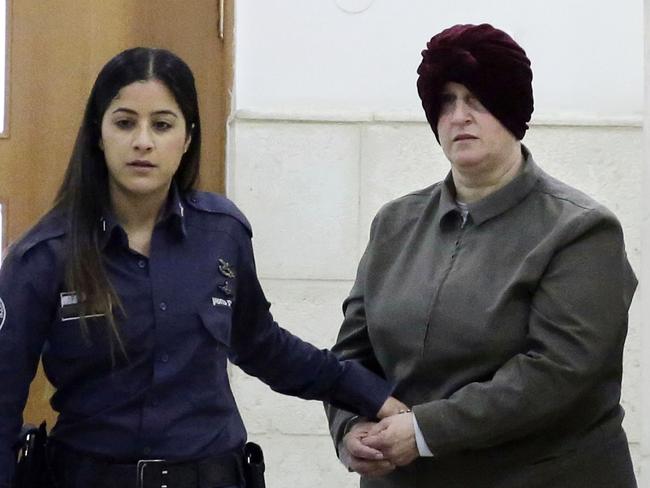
504	333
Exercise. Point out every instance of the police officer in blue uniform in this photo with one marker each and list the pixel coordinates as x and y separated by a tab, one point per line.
135	289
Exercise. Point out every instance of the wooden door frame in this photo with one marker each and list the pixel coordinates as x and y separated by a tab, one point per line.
4	134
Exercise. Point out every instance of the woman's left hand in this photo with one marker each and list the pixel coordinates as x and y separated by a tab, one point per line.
395	437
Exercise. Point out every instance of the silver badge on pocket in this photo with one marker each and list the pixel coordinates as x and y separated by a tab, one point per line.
225	269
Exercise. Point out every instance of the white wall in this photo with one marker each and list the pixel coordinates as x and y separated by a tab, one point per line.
328	127
297	55
643	295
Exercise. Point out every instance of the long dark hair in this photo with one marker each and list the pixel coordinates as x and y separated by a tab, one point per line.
84	194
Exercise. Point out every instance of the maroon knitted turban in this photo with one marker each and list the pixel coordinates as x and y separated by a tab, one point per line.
489	63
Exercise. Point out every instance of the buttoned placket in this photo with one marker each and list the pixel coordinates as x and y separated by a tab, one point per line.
162	306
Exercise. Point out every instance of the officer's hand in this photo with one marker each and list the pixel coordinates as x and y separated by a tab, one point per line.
391	406
360	458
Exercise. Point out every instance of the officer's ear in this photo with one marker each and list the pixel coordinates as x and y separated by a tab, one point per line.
188	139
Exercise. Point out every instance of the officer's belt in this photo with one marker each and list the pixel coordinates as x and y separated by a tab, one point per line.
217	471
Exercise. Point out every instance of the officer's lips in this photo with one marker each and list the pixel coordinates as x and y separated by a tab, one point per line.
141	163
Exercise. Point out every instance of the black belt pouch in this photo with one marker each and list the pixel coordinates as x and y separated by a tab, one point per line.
31	464
254	466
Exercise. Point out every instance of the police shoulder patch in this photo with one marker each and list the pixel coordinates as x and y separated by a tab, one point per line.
3	313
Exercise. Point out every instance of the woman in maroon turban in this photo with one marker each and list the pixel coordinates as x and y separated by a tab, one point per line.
496	300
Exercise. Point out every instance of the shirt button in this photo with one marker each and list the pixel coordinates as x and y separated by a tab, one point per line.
193	199
164	357
163	306
142	264
146	450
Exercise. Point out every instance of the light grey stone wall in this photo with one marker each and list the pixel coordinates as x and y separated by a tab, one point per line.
311	186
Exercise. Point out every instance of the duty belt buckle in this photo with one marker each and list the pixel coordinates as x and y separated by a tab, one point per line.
143	463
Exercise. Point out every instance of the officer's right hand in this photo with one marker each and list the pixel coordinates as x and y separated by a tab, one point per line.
391	406
363	459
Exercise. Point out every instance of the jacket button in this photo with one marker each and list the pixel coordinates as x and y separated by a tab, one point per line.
163	306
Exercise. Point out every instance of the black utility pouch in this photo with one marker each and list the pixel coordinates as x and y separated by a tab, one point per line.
31	464
254	466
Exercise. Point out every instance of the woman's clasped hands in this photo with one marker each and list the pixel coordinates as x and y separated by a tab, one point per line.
376	448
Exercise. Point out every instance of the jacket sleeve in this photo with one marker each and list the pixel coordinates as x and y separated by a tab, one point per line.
24	280
290	365
353	343
576	331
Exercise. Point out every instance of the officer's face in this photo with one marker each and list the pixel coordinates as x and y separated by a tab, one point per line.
143	139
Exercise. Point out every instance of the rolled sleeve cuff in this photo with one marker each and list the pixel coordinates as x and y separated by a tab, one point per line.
361	391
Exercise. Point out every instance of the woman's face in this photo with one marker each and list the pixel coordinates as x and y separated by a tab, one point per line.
143	137
474	141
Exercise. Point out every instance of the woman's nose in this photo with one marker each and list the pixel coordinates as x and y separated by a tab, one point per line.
461	112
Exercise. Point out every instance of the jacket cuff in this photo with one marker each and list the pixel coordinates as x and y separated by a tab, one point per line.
361	391
433	423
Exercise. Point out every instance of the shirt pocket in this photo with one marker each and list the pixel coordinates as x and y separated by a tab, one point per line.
217	321
70	340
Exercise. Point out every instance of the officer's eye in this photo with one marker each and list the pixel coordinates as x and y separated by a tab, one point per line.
162	125
124	124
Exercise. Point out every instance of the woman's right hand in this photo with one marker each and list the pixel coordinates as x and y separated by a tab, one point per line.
360	458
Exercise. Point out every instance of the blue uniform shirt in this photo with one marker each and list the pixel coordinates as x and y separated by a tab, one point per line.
192	304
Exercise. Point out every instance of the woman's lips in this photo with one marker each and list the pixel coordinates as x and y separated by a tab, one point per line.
464	137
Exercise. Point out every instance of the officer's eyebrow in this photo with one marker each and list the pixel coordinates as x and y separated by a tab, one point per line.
157	112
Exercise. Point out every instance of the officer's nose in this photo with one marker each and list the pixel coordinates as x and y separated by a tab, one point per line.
143	140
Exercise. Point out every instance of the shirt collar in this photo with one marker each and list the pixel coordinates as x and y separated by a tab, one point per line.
498	202
447	200
174	213
173	217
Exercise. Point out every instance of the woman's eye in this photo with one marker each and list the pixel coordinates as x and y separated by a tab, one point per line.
476	104
446	103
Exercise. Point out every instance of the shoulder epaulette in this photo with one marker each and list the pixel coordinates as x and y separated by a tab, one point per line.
217	204
50	226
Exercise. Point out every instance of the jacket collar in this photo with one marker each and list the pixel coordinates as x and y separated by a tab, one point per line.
496	203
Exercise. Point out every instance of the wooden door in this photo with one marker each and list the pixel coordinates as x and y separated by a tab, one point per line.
57	48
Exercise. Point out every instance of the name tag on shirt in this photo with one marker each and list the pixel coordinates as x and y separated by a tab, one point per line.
220	301
69	307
